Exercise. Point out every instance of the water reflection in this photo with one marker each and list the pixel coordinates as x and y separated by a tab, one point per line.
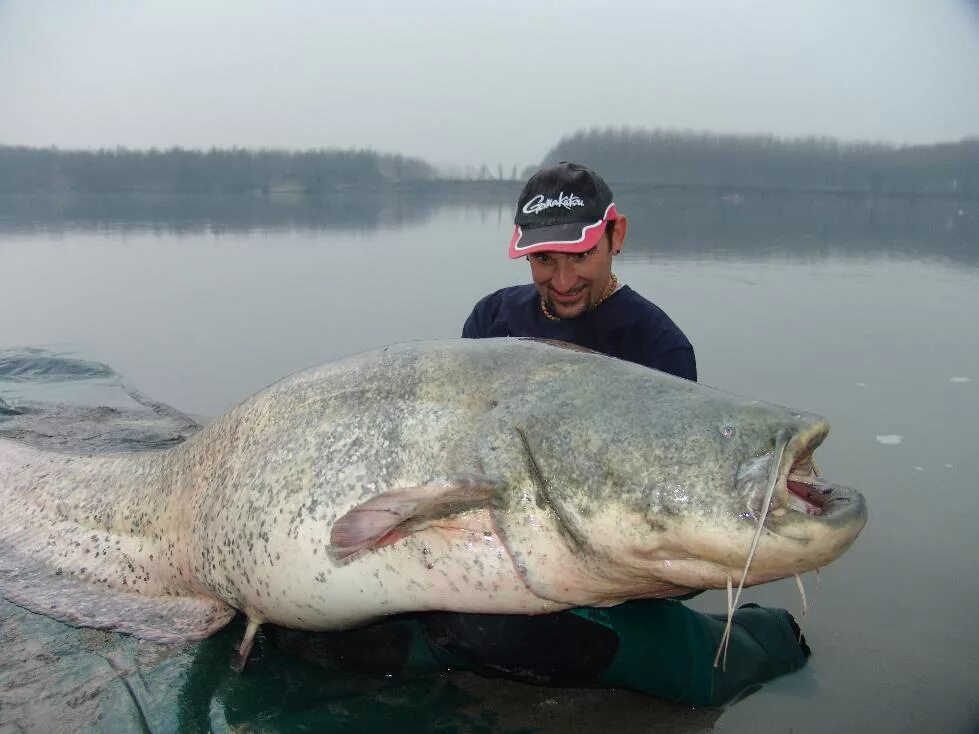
682	223
752	225
183	214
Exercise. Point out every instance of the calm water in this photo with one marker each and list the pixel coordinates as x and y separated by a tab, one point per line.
862	311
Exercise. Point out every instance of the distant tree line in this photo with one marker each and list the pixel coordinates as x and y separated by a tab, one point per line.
234	170
640	156
622	155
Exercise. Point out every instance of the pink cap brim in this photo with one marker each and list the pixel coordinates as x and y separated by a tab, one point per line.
570	238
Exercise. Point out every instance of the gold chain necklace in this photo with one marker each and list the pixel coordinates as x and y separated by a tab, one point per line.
613	283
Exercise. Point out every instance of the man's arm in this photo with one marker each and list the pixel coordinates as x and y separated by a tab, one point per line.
471	330
655	646
478	324
680	362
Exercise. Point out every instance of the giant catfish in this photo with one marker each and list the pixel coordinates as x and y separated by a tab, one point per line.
496	475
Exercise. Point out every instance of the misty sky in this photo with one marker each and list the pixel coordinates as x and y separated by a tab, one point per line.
471	82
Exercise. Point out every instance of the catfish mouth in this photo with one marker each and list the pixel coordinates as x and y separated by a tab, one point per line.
807	492
802	494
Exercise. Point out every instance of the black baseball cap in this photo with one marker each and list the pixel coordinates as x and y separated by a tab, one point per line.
562	208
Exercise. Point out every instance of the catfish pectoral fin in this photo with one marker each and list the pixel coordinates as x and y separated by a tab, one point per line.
384	519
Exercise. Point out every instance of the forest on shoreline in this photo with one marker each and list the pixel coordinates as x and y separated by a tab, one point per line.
637	157
767	162
179	170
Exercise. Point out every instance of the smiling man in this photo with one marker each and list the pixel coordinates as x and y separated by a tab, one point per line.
568	227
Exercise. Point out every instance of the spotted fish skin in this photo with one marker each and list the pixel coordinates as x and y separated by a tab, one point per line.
498	475
90	540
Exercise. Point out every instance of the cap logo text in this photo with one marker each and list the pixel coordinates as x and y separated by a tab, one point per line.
539	203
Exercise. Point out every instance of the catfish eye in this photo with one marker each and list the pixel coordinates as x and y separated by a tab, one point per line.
727	431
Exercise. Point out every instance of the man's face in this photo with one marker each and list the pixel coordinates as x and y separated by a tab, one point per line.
571	284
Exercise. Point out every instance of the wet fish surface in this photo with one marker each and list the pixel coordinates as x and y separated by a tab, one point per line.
496	475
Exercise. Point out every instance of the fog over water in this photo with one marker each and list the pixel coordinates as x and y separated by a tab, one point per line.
466	84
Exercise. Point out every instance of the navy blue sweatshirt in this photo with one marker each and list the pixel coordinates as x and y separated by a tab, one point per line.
626	326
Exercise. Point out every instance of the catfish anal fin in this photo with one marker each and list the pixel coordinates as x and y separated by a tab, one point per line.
32	584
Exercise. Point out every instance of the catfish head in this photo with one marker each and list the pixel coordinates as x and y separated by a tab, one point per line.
623	482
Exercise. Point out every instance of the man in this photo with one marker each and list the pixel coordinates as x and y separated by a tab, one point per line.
568	227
